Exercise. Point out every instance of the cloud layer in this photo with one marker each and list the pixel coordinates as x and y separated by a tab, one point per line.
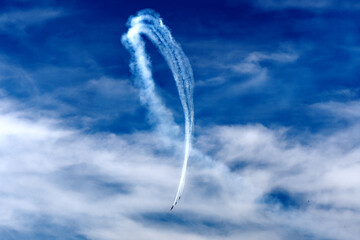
258	182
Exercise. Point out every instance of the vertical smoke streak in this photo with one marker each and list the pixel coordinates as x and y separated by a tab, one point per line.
149	23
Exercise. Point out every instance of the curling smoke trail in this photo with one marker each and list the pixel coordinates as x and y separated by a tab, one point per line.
149	23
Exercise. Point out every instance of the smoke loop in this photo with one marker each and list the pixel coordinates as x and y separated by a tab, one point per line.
148	23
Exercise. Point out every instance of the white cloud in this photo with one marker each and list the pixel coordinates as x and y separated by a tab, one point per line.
18	21
343	110
258	73
301	4
323	171
17	76
250	71
294	4
123	185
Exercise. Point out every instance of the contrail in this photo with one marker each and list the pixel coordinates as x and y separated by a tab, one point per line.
148	23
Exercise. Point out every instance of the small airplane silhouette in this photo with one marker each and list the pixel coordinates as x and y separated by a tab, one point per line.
174	204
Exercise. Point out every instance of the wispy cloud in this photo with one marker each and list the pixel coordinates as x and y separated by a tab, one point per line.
349	110
294	4
301	4
251	74
259	74
16	80
17	21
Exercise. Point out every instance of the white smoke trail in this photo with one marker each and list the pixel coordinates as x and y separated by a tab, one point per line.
149	23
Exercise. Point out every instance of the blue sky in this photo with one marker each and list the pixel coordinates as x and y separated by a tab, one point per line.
277	107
